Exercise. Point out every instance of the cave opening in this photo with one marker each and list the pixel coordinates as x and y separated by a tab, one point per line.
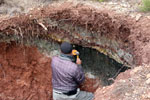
98	65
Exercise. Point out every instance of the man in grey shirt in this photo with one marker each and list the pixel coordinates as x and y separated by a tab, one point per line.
67	75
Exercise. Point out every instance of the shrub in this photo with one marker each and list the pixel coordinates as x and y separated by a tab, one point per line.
145	5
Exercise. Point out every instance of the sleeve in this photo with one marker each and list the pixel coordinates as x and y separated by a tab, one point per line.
79	75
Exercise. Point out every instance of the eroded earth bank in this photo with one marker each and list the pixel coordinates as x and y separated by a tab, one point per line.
109	44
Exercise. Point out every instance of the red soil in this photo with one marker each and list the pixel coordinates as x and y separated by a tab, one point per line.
90	85
25	74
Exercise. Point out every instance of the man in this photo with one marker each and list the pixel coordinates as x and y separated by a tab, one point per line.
67	75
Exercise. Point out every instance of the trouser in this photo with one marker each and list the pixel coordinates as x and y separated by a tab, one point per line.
80	95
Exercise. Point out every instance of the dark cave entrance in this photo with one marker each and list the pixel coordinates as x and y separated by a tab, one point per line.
100	65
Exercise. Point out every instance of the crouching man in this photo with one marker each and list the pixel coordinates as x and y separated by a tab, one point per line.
67	76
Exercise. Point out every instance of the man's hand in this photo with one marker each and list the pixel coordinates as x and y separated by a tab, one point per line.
78	61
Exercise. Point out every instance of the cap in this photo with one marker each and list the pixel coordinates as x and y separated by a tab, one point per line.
66	48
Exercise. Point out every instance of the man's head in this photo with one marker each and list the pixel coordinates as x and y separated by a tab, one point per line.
66	48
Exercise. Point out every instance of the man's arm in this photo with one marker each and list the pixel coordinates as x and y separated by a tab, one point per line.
79	74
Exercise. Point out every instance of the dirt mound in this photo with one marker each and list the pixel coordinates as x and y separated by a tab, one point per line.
25	74
141	41
131	85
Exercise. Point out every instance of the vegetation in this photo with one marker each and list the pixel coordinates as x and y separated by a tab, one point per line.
101	0
145	5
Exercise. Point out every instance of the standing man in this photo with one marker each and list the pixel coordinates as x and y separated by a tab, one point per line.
67	76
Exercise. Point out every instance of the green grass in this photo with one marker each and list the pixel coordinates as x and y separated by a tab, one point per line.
145	5
101	0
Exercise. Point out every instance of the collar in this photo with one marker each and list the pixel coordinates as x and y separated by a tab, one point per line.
67	57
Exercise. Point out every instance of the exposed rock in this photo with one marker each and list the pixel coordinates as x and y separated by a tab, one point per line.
138	16
148	81
148	76
148	17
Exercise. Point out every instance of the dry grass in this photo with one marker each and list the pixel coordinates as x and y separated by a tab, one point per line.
20	6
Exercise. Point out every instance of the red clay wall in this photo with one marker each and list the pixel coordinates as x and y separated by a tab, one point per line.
25	74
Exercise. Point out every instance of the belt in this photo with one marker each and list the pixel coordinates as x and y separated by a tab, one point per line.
71	92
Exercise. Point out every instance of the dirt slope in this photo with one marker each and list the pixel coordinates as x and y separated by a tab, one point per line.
131	85
141	40
25	74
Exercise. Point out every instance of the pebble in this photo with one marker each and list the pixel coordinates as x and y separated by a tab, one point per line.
112	3
148	96
138	16
148	17
148	81
132	15
127	94
104	91
104	87
123	81
124	5
148	75
90	75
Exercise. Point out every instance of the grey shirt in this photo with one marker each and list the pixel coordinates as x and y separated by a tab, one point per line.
66	75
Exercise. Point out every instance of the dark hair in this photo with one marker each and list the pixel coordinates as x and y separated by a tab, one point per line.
66	48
